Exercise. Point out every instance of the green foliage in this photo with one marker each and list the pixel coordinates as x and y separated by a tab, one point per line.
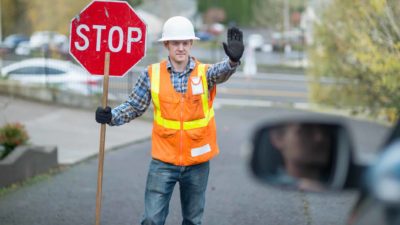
238	11
267	13
11	136
26	16
56	17
134	3
13	17
357	45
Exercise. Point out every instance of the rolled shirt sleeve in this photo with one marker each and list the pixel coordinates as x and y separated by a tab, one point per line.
220	72
136	104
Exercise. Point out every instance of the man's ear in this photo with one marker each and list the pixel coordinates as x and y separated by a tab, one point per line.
166	44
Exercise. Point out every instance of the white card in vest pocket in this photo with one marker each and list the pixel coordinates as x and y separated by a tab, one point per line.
197	85
201	150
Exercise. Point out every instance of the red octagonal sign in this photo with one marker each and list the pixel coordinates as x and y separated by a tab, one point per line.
108	26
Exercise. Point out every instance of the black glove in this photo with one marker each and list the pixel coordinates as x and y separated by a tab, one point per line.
234	49
103	115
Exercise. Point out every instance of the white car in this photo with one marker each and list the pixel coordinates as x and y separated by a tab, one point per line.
53	39
23	48
55	73
256	41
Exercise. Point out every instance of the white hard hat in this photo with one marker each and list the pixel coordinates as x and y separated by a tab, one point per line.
178	28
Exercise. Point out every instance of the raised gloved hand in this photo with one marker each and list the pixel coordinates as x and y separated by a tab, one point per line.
234	49
103	115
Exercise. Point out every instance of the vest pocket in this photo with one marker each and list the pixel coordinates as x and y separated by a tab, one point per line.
169	108
193	108
164	132
197	133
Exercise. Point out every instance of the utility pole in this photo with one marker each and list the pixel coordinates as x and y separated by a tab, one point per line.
286	15
1	30
286	25
1	21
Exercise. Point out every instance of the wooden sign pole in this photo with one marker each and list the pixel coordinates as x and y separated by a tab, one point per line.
102	139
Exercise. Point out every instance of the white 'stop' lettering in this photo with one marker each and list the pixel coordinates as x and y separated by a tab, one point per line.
130	36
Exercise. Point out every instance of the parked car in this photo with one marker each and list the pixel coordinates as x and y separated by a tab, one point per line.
55	73
11	42
282	40
49	39
256	41
205	36
316	154
23	48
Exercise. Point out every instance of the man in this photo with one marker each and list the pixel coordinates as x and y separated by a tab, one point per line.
306	152
184	133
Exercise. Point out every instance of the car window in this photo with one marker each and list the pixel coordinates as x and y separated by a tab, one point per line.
37	71
28	70
54	71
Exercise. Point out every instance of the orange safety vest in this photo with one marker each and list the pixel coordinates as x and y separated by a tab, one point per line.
184	131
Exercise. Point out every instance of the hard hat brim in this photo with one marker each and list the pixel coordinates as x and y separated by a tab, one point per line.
177	39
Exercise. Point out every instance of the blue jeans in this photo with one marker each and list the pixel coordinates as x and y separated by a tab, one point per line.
161	180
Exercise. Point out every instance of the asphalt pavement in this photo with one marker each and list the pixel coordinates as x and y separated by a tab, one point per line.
233	197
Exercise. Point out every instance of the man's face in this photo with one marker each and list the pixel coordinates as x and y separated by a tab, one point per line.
304	144
179	51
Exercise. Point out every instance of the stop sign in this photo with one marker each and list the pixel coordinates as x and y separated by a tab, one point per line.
108	26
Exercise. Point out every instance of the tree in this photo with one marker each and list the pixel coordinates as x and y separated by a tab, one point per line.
13	17
134	3
269	13
55	15
238	11
357	45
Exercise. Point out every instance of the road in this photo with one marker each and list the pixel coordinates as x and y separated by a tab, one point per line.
233	196
260	90
266	87
264	58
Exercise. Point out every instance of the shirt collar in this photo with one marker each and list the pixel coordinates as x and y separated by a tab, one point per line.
189	67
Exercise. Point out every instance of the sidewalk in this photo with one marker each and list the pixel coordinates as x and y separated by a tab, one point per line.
74	131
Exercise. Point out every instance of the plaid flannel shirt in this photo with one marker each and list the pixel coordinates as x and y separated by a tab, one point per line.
140	98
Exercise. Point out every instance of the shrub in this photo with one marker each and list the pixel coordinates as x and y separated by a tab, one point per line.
356	48
12	135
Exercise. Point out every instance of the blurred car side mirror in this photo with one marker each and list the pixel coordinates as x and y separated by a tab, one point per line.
302	154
